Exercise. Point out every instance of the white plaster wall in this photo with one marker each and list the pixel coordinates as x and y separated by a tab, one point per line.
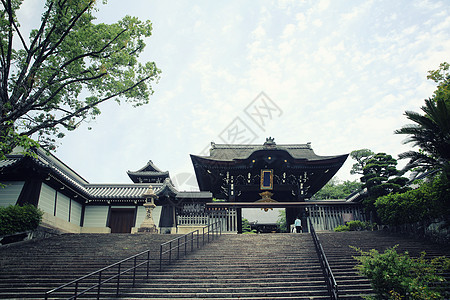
95	216
10	193
62	207
75	212
47	199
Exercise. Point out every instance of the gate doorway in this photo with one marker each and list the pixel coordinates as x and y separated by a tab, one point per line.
121	220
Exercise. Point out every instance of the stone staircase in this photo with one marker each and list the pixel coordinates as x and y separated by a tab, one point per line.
340	256
264	266
29	269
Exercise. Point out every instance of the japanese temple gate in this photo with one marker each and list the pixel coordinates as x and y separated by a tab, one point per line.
269	176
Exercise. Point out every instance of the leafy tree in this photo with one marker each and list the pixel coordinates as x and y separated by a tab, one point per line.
361	156
377	176
431	133
56	78
430	200
335	189
379	180
442	77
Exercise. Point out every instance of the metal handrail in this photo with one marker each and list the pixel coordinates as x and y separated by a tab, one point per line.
329	277
121	268
101	281
165	255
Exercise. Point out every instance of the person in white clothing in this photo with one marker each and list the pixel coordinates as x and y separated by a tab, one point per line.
298	225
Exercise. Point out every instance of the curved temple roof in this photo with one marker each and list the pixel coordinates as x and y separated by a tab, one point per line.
229	152
149	173
296	163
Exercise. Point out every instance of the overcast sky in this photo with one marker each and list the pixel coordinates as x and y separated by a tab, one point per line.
338	74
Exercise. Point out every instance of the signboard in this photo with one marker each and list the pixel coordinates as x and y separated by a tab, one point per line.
266	180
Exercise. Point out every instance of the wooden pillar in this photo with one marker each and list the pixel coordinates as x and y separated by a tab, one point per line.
304	218
239	219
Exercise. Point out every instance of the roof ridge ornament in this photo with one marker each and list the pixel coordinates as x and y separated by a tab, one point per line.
270	141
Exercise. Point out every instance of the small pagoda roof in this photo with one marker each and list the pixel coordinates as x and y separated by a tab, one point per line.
148	173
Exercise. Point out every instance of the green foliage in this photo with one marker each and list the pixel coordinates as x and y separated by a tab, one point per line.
335	189
246	229
361	156
376	175
442	77
430	131
19	218
331	190
430	200
281	221
7	134
398	276
355	226
378	178
56	78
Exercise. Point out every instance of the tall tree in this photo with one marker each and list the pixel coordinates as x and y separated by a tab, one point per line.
380	178
57	77
379	174
361	156
431	133
442	77
431	130
336	189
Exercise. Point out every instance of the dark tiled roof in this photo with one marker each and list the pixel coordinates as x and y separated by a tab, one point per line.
114	191
9	161
149	169
95	192
149	173
242	151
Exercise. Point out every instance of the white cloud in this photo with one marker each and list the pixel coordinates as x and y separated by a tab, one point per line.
288	31
301	21
342	73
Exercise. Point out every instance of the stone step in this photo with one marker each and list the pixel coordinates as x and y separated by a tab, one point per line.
272	266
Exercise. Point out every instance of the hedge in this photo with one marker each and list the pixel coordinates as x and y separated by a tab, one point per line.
15	218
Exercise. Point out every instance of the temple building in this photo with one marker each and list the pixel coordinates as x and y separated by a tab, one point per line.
265	176
232	178
72	204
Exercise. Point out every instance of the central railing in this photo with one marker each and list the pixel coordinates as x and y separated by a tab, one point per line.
329	277
170	251
126	272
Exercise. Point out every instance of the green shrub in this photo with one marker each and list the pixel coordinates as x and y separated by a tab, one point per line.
246	228
19	218
398	276
430	200
341	228
281	221
355	226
